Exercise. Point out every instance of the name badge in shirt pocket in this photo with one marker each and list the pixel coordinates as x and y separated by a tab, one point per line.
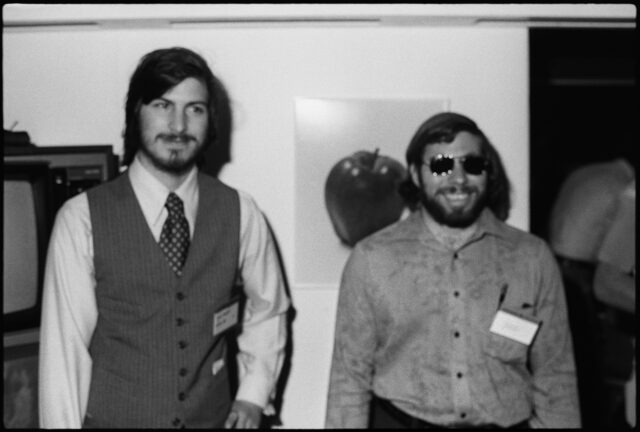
508	336
514	327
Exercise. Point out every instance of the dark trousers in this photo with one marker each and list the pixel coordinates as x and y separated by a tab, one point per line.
384	415
603	347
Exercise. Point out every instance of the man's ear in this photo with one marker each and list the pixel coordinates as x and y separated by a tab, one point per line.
415	176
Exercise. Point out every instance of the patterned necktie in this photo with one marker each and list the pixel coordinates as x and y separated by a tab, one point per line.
174	239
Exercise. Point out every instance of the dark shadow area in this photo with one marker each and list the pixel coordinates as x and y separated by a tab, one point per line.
584	110
283	379
219	153
584	107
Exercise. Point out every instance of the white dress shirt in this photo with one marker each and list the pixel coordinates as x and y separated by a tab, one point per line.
69	311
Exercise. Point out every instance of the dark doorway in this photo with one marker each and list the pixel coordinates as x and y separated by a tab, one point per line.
584	109
584	106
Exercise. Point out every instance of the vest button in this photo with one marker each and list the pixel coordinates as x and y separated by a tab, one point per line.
180	296
182	344
456	294
176	421
182	396
183	371
456	334
459	374
179	322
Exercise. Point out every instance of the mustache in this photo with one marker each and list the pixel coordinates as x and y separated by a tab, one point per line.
457	189
175	137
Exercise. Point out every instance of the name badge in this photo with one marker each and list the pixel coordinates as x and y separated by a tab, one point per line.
514	327
226	318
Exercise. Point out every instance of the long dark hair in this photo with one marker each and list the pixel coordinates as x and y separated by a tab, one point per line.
443	128
157	72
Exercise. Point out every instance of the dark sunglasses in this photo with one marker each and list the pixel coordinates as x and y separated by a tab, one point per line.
441	165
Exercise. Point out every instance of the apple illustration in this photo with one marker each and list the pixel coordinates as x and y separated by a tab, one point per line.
361	194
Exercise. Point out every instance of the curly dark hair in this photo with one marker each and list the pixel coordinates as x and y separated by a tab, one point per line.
159	71
443	128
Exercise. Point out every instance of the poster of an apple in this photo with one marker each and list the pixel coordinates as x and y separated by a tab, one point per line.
361	194
334	131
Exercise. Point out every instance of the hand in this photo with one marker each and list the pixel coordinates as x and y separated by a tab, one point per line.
244	415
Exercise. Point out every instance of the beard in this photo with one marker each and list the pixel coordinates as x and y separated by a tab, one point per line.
458	217
178	162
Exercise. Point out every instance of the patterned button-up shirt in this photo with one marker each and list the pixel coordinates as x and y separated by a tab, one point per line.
413	327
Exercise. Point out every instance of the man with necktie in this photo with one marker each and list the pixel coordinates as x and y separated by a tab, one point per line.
145	275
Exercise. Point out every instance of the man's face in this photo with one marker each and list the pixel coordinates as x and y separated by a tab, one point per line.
174	126
457	198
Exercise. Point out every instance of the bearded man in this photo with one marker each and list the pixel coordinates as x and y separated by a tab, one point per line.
146	273
450	317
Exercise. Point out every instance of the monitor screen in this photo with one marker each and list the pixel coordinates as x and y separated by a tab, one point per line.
20	278
27	220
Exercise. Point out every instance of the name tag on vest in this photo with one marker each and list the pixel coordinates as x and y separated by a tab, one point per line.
226	317
514	327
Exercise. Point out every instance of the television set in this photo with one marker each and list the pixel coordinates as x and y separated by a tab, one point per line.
27	221
37	181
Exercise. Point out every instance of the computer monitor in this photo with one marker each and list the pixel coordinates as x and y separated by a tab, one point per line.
37	181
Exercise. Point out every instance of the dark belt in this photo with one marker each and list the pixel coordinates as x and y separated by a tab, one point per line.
410	422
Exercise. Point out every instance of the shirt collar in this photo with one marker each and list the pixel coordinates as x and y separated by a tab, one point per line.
487	224
152	194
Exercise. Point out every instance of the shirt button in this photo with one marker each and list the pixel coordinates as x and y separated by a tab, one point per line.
182	344
182	396
459	374
456	334
183	371
456	294
463	415
180	296
179	322
455	255
176	421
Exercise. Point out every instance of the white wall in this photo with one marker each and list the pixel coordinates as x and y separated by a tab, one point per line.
68	87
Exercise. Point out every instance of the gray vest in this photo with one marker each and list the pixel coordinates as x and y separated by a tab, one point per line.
153	348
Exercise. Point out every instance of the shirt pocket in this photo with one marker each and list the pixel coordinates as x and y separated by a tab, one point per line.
504	349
